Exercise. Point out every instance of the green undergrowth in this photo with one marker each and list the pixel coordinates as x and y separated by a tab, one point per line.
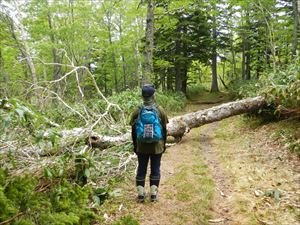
126	220
127	100
64	203
280	87
70	190
195	90
37	122
201	95
26	123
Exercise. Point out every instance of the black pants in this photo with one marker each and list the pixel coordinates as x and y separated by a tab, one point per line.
143	160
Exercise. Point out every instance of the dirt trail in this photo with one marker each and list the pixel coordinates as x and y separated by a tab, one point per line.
221	206
191	164
185	154
218	174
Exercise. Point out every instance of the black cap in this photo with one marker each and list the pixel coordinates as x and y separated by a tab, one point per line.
148	90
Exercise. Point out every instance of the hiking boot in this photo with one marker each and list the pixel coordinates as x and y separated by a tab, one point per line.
153	193
141	193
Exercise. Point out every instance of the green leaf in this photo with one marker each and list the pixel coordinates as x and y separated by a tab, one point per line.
6	122
61	172
48	173
20	113
96	199
87	172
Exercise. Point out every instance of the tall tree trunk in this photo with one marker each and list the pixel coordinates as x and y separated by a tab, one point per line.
16	27
258	67
4	75
177	67
243	59
178	81
296	26
267	56
248	61
214	81
170	79
271	49
113	55
163	79
184	79
124	71
24	49
149	45
56	61
2	70
224	66
122	54
286	52
138	66
234	75
247	50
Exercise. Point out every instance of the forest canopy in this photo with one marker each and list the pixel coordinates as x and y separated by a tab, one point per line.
193	41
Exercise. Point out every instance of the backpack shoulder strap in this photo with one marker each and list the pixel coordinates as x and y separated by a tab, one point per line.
154	107
158	110
141	107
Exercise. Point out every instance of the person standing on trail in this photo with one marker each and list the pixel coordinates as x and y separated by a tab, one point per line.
149	134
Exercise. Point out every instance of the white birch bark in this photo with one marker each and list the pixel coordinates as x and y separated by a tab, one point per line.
177	127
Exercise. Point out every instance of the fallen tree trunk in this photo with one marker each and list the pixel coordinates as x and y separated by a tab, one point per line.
177	127
180	125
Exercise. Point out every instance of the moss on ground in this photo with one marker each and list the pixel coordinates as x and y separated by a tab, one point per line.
63	203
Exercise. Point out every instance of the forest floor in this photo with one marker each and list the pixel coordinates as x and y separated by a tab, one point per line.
236	171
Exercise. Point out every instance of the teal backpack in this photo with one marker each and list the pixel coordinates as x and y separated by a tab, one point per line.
148	125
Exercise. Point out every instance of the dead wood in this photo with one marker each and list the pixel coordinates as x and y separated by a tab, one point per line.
180	125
